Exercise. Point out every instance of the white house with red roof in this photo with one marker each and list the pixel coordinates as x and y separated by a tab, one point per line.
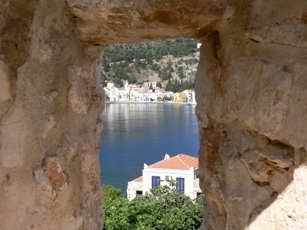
181	168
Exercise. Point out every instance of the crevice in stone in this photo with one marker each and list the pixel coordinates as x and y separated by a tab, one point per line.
254	40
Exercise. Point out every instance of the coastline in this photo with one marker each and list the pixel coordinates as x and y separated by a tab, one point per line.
143	102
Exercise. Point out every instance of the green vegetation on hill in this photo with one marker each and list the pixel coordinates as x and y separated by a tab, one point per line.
149	51
135	62
178	86
163	208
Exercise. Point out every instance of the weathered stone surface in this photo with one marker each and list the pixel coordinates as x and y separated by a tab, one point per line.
43	184
102	22
11	129
291	32
5	91
51	175
250	89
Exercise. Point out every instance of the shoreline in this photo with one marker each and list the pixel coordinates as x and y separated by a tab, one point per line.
142	102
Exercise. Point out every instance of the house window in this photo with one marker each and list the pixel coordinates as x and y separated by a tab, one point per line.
138	193
180	184
155	181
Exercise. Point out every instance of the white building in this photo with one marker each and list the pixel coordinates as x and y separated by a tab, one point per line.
135	93
123	94
150	83
156	96
181	168
168	94
111	91
190	95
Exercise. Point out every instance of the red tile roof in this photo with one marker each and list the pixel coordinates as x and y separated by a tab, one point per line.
140	179
181	162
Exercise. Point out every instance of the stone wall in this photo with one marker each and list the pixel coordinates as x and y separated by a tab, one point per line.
250	90
49	120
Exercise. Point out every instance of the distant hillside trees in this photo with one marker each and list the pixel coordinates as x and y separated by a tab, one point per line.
179	85
178	47
126	61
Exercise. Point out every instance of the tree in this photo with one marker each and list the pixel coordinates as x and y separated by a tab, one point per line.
180	72
103	79
170	86
118	82
132	79
110	192
106	66
162	208
159	84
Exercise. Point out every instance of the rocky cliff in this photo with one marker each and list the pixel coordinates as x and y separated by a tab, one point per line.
250	89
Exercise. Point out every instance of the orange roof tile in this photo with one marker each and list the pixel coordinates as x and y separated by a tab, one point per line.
181	162
180	93
140	179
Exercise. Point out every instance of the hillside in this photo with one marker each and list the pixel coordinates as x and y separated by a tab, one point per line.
172	63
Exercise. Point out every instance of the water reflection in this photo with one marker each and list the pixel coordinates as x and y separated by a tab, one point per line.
142	133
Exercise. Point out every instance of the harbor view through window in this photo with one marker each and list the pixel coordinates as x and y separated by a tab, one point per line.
150	137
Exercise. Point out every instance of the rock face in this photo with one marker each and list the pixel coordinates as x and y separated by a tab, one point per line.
250	89
50	102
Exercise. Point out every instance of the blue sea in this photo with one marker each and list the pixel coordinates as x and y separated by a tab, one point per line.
135	134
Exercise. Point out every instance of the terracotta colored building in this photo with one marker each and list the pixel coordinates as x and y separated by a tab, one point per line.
180	97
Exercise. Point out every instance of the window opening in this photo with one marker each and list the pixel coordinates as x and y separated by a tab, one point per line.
155	181
140	123
180	184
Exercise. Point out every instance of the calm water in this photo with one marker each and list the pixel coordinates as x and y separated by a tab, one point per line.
135	134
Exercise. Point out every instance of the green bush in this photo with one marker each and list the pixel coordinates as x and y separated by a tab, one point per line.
162	208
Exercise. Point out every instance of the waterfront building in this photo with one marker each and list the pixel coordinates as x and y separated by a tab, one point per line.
132	92
123	94
111	92
156	96
168	94
180	97
190	93
183	169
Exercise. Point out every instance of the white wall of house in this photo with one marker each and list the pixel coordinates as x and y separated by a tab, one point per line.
188	175
168	94
132	189
146	97
153	96
110	85
123	95
163	177
112	93
190	95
